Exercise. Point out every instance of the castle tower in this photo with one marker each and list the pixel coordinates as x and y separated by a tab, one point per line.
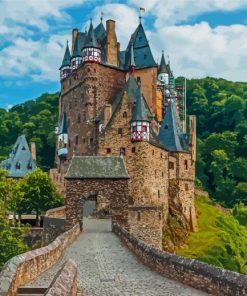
91	52
65	69
140	122
76	58
63	138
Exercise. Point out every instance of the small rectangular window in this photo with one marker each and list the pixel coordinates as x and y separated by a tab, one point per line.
122	151
76	140
133	149
83	140
138	216
186	164
171	165
108	150
91	140
186	187
120	131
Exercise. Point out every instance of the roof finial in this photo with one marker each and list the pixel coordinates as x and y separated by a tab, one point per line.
162	51
86	29
101	18
91	20
142	9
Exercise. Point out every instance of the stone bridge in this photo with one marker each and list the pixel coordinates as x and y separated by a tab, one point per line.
106	267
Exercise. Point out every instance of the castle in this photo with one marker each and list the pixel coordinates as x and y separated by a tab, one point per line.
119	116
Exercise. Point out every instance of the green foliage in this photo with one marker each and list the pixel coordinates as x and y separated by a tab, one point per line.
37	120
39	193
221	109
11	240
221	240
240	213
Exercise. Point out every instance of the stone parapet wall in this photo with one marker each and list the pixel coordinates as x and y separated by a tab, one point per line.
65	283
191	272
145	222
56	212
24	268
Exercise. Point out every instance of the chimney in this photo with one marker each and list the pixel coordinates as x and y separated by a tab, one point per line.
107	114
33	150
74	35
111	44
192	144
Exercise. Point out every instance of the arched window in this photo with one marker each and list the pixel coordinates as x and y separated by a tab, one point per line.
186	164
125	115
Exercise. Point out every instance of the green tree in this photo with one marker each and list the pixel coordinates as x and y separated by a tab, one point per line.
240	213
39	193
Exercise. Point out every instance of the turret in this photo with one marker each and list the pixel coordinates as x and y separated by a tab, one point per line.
63	138
91	52
140	121
65	69
163	74
76	58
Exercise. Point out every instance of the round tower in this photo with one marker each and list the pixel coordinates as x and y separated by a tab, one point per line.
65	69
91	52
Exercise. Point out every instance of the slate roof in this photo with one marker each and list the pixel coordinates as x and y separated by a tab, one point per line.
141	112
100	33
163	66
97	167
90	40
63	129
19	156
142	52
170	134
66	58
77	49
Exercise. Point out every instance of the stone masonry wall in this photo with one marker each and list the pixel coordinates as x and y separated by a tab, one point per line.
23	268
65	282
115	190
83	96
145	222
217	281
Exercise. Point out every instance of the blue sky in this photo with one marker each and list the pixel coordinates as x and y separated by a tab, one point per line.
201	37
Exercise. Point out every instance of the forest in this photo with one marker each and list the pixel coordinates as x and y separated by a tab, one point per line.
221	110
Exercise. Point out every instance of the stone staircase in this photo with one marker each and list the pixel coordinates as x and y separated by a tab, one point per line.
31	291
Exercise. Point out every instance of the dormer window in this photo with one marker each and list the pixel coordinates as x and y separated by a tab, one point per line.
18	166
145	56
29	167
23	148
166	126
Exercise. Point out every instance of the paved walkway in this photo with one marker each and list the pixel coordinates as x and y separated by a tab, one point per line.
107	268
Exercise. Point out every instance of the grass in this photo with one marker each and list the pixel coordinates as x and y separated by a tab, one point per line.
220	241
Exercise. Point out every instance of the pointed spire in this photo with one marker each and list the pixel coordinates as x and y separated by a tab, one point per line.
91	39
163	67
140	112
170	133
67	57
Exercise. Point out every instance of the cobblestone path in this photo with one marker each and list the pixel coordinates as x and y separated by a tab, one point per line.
107	268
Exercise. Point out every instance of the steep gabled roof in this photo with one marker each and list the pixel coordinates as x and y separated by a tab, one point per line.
20	161
142	52
163	67
97	167
100	33
66	58
90	40
63	129
170	134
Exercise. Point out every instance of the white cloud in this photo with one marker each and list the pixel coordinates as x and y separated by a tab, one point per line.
171	12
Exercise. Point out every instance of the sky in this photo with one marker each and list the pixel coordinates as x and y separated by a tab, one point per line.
200	38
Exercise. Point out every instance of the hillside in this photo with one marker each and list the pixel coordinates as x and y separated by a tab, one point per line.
37	120
220	241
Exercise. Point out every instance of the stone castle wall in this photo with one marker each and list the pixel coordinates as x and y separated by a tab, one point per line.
26	267
216	281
